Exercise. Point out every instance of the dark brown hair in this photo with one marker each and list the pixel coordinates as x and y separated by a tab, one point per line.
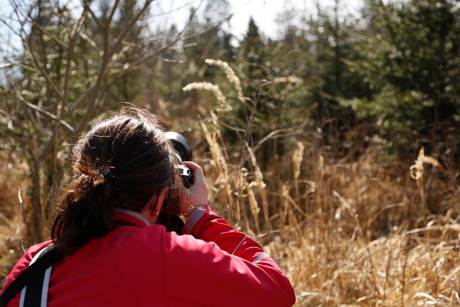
120	163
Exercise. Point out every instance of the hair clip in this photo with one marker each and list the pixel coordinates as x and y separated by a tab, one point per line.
105	172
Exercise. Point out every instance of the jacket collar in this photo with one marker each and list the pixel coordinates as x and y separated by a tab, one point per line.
130	217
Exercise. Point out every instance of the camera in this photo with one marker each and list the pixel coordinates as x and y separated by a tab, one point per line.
183	151
169	214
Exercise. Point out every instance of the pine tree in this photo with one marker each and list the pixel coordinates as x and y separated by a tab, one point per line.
411	57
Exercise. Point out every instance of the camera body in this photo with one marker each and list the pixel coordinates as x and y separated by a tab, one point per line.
186	174
169	214
183	152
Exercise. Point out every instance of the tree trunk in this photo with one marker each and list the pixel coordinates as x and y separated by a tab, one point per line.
34	167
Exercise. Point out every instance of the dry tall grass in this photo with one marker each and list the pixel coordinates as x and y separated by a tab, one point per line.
347	232
11	218
366	232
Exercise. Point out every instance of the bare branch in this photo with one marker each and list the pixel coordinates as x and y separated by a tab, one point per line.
70	52
44	112
93	15
105	64
112	12
125	31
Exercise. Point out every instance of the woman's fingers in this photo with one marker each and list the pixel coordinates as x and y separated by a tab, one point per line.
199	189
197	171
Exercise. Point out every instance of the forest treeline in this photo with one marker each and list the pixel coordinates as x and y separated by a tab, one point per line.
307	139
388	76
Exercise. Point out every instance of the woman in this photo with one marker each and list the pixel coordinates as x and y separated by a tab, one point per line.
118	253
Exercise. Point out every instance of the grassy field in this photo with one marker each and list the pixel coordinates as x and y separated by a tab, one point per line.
358	233
350	231
309	140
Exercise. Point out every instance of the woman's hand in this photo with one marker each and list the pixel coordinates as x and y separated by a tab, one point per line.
198	192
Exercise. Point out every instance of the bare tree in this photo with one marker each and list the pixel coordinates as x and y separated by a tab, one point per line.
59	83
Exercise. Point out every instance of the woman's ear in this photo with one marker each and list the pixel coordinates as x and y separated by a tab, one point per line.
153	207
156	208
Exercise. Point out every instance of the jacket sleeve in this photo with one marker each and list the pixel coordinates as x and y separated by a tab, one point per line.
219	265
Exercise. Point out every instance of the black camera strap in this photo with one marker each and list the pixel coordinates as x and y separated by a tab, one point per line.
33	282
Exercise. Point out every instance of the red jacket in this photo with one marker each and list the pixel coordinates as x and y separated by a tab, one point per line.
139	264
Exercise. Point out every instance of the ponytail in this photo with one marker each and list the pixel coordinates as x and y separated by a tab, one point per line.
87	213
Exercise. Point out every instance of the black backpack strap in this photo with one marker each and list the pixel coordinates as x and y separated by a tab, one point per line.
35	293
32	279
